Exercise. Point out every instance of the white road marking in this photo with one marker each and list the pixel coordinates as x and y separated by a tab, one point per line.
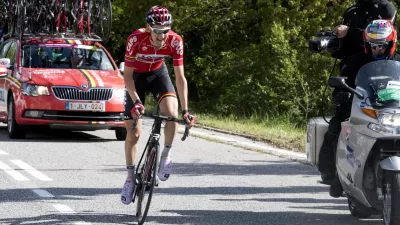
63	208
15	174
82	223
43	193
29	169
251	145
3	152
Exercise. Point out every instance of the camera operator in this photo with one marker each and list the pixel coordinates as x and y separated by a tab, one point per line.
350	34
354	21
380	39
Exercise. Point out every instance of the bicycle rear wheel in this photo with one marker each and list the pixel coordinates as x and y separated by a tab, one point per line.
147	181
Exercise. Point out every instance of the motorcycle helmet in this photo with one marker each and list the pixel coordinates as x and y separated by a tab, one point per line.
381	35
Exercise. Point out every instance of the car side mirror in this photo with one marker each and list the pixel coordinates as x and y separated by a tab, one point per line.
337	82
3	72
5	62
121	67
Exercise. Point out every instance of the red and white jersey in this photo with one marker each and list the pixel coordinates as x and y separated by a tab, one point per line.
143	57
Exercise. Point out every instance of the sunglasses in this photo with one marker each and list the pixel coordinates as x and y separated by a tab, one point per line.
380	46
159	30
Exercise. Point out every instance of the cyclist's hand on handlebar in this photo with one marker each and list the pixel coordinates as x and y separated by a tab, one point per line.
189	119
137	110
341	31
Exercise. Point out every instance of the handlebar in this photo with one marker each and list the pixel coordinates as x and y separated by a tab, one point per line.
166	118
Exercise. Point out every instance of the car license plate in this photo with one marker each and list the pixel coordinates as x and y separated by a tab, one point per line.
85	106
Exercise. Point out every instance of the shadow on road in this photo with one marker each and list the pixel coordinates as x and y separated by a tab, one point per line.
199	217
47	135
66	193
290	200
24	195
238	190
261	168
208	217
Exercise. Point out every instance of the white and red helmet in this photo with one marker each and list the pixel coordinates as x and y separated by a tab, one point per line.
158	15
380	32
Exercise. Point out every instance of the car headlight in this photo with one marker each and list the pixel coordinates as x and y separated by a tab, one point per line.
34	90
389	119
119	92
382	129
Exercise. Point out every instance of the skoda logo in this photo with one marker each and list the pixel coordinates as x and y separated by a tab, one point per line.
84	86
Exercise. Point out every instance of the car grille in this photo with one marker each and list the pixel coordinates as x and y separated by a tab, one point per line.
83	116
73	93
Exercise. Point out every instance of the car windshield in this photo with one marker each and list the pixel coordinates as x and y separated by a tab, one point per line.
65	56
381	80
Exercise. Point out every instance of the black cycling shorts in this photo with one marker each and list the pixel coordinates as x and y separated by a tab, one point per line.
157	82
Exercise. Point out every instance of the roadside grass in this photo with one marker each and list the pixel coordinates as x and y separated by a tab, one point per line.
276	131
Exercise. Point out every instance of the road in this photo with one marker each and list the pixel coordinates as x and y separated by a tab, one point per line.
63	177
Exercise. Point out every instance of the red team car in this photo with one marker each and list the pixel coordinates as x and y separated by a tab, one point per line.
60	84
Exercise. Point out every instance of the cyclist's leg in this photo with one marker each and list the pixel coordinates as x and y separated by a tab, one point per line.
131	140
164	92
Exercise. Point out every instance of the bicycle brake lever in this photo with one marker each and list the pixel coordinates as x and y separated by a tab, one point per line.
185	134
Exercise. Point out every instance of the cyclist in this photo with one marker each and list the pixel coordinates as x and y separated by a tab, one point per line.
144	71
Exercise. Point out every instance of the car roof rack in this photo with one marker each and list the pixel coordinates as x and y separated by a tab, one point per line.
65	36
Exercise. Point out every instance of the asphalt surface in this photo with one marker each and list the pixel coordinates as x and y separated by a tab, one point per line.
59	177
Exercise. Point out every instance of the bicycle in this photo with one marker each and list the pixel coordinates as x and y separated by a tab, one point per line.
12	12
43	17
146	172
80	12
101	18
61	12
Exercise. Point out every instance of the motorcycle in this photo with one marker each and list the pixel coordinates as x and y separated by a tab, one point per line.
368	150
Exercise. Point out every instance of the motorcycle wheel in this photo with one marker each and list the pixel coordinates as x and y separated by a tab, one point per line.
356	212
391	201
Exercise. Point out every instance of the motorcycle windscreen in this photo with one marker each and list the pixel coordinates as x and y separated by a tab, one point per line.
381	80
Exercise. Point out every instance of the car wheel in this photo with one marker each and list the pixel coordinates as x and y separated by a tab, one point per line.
120	133
13	128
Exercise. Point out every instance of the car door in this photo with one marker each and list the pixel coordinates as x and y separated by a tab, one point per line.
11	81
3	89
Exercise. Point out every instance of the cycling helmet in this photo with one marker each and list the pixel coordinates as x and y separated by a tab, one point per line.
159	15
381	34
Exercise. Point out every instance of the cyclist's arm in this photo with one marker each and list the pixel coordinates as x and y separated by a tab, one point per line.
181	85
129	83
130	53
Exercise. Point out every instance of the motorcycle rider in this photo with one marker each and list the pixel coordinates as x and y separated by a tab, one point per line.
350	32
380	39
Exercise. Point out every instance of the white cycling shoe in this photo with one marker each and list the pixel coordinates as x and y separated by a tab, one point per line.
127	192
165	169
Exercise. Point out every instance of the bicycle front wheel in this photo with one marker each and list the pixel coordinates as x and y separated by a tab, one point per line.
147	178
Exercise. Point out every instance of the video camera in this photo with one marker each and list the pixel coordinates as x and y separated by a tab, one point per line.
325	40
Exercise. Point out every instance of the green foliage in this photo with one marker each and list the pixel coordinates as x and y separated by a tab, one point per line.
245	57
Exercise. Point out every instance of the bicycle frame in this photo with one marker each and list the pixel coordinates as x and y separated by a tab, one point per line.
153	140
